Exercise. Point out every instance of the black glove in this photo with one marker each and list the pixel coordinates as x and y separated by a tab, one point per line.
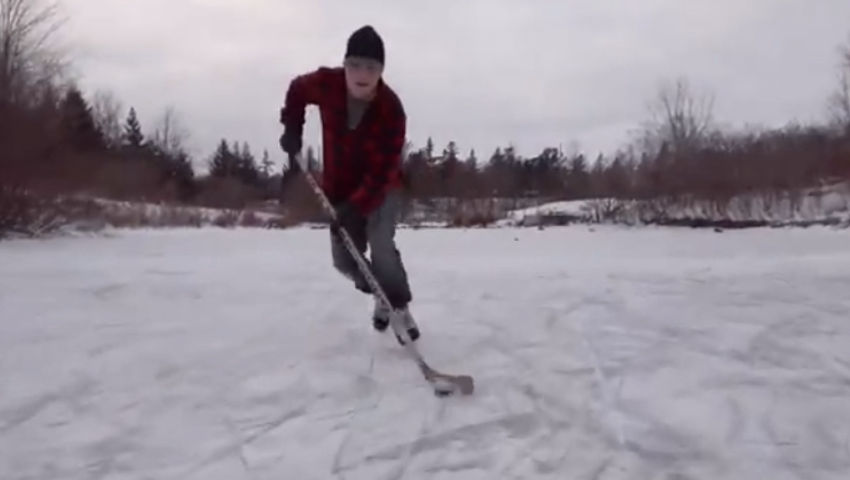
347	216
290	142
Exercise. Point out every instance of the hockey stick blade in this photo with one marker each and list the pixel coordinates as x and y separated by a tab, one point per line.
444	384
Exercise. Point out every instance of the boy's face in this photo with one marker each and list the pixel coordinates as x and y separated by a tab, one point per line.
362	75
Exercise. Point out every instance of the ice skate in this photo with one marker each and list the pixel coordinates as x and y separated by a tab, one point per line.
380	316
407	323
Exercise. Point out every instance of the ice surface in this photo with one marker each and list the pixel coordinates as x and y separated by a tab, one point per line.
606	354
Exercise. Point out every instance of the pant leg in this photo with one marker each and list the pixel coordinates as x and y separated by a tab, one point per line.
386	259
342	259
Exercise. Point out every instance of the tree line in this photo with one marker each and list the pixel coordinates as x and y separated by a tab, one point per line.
54	140
680	151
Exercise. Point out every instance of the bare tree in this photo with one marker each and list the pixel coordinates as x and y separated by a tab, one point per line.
106	110
680	118
170	134
839	101
28	56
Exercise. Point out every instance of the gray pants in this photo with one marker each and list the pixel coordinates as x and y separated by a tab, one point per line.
377	231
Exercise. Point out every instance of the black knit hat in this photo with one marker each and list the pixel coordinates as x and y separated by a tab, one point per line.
365	42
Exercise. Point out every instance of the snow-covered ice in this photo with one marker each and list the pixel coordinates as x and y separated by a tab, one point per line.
607	354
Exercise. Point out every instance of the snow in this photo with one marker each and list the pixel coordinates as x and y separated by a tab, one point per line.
611	353
575	208
162	214
828	204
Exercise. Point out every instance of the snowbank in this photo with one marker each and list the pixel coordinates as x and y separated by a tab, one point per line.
827	205
570	211
138	214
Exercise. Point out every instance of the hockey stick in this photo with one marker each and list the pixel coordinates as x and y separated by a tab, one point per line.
444	384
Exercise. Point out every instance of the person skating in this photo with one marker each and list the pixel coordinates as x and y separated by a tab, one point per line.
363	134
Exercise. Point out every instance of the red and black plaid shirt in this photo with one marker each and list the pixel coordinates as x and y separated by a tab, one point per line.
359	165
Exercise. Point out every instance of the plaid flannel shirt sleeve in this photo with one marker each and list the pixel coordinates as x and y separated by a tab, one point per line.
306	89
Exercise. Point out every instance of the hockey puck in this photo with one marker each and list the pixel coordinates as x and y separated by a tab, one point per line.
443	388
442	393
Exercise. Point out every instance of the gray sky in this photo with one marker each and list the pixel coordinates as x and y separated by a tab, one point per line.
532	73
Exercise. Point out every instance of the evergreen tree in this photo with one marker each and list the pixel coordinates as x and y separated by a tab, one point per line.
178	168
597	177
247	166
78	123
133	136
449	161
472	161
617	178
578	177
448	170
543	174
497	158
429	150
266	165
223	163
418	174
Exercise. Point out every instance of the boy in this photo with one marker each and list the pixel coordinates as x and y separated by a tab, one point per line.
363	132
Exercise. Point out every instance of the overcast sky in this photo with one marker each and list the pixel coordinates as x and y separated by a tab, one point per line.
484	73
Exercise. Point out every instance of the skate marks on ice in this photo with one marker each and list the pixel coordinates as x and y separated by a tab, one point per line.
596	370
94	443
288	421
435	448
539	365
693	384
722	381
109	291
70	397
532	403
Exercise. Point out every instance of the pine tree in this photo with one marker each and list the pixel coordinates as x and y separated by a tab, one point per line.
472	161
247	166
133	136
178	168
78	122
429	150
448	169
578	178
223	163
266	165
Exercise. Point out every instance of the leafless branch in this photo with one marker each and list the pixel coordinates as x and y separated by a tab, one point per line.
28	57
839	101
106	110
680	118
170	134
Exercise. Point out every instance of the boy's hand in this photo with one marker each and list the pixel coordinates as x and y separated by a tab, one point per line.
290	142
346	216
